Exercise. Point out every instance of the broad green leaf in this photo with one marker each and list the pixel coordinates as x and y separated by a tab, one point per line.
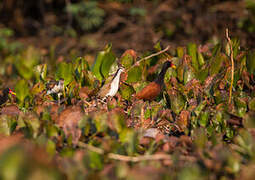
252	104
103	63
126	91
176	101
250	62
200	59
65	71
192	51
216	64
241	106
200	107
129	138
180	52
188	75
95	161
26	61
134	74
204	118
127	61
22	90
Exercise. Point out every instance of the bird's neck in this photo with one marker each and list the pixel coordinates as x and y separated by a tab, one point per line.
116	79
160	79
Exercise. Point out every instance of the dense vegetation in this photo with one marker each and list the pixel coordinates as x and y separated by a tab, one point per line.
201	126
194	129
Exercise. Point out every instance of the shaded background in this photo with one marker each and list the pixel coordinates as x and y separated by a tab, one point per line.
90	25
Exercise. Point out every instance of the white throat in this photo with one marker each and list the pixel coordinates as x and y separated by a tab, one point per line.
115	84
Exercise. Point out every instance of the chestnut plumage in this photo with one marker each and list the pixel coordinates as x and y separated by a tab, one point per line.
153	89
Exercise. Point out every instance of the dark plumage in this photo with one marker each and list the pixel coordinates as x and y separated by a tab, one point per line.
4	95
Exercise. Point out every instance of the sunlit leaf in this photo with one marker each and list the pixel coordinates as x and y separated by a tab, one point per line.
134	74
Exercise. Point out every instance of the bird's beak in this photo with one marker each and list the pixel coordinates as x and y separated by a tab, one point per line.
173	66
11	92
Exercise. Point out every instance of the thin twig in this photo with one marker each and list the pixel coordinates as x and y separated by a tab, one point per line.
123	157
148	57
232	67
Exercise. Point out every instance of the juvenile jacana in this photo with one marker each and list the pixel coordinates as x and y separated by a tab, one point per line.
111	88
55	87
153	89
4	96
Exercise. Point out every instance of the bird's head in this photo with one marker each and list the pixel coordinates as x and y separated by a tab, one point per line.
168	64
8	91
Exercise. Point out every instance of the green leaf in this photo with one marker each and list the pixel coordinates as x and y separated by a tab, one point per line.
180	52
95	161
192	51
216	64
26	61
200	59
134	74
252	104
250	62
64	71
176	101
103	63
127	61
22	90
204	118
126	91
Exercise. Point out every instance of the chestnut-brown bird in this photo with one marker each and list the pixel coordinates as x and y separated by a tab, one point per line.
153	89
4	95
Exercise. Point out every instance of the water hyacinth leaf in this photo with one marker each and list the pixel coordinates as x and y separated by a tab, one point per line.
4	125
176	100
157	46
128	58
250	62
241	106
81	64
101	122
134	74
130	139
80	67
126	91
118	120
11	163
202	74
200	107
249	119
235	45
22	90
252	104
200	59
51	147
204	118
64	71
103	63
95	161
188	75
180	52
216	64
26	61
192	51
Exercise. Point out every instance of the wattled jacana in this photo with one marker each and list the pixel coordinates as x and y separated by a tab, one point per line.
4	96
153	89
